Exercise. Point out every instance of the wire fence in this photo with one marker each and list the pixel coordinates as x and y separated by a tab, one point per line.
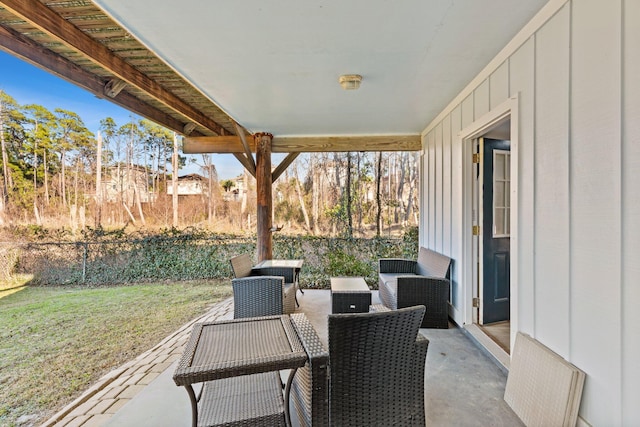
188	257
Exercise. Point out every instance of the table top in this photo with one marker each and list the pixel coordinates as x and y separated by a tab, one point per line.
349	284
239	347
292	263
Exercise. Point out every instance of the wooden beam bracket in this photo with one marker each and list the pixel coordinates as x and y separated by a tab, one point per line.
114	87
245	162
247	150
284	164
189	127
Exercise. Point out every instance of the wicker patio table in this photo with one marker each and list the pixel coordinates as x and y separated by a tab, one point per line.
222	350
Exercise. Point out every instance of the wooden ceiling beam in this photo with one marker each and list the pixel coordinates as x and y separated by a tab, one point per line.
215	144
40	16
294	144
26	49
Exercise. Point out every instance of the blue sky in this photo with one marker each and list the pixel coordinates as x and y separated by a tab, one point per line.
28	84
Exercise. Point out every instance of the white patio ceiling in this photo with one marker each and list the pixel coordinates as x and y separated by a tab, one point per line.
274	66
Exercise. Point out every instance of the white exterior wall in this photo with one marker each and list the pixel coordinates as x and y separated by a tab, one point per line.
575	70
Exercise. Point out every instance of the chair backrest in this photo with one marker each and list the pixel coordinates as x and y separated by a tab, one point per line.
433	264
241	265
257	296
373	368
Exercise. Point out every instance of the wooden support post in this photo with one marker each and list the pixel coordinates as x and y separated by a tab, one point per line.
265	201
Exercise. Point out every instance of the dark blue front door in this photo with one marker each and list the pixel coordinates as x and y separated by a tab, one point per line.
495	230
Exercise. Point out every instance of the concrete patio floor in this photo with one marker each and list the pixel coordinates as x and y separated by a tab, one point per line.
463	386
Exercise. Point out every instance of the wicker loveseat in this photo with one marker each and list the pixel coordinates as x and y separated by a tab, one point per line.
372	374
261	292
405	283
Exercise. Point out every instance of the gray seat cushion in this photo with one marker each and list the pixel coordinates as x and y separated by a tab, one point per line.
391	278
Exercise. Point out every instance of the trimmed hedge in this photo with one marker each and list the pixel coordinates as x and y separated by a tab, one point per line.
195	254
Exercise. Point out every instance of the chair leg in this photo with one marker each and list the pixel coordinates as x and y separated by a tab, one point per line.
297	280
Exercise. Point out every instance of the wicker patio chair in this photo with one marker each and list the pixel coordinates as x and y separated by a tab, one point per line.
256	296
405	283
372	375
242	268
241	265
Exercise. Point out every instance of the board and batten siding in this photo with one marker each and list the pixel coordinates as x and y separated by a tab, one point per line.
575	70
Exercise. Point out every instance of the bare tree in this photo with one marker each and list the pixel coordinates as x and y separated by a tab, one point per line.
98	198
136	194
76	173
378	195
209	169
300	197
174	179
245	194
338	191
315	194
46	178
5	157
4	193
401	169
358	189
413	182
348	194
137	185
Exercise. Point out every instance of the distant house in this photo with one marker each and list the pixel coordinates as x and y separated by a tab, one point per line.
122	182
190	185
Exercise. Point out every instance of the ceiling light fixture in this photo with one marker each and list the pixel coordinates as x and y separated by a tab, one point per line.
350	81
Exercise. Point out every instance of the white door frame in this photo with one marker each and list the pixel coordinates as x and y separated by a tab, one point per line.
465	138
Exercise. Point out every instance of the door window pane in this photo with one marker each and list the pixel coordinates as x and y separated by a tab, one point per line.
501	193
498	167
498	222
498	194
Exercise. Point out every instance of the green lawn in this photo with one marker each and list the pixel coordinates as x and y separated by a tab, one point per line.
57	341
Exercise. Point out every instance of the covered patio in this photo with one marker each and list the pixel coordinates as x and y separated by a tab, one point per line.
463	384
436	77
296	92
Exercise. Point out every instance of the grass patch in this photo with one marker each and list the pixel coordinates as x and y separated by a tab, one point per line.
57	341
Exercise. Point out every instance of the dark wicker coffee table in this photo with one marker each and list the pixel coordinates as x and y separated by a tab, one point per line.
226	349
350	295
